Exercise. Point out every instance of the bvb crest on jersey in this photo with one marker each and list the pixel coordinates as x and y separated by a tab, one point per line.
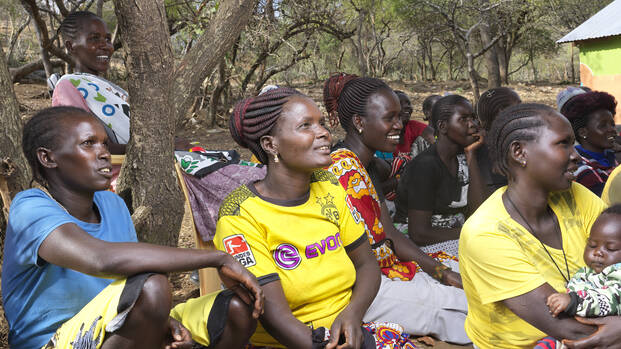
328	208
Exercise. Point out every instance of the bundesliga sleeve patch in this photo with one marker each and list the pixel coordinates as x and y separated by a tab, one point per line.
236	246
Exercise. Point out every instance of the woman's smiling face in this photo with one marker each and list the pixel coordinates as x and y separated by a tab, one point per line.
381	127
92	47
599	131
302	141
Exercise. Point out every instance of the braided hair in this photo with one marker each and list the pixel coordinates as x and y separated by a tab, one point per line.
444	108
578	108
493	101
254	117
72	24
521	122
45	129
346	95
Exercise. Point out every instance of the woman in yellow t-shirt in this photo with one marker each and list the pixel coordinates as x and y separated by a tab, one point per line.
527	239
294	231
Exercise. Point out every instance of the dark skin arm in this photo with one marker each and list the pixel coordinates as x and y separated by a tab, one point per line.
406	250
608	334
280	322
419	226
71	247
531	307
348	322
387	183
422	233
290	332
476	189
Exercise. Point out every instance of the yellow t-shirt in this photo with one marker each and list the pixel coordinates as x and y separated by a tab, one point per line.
302	243
500	259
612	190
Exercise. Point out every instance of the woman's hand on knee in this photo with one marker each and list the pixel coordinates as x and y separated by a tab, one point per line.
179	336
451	278
347	326
608	334
243	283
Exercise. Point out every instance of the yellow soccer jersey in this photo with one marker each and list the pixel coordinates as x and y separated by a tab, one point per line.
499	259
303	243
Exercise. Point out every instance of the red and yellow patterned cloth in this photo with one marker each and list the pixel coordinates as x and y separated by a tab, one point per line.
365	206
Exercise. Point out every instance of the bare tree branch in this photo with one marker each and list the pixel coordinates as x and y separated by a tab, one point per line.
19	73
15	36
61	7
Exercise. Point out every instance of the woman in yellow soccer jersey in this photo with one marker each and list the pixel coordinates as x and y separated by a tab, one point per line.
294	229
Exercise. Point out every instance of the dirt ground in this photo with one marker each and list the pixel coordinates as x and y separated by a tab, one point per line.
34	97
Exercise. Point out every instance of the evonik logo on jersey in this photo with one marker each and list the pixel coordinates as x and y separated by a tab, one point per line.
236	246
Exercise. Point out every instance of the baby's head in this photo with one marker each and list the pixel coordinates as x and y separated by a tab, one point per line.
604	245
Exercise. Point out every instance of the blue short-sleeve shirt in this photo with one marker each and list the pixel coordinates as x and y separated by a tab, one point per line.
38	296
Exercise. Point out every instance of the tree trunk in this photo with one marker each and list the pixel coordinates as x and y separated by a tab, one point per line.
362	65
160	97
451	76
15	36
432	67
573	69
14	171
222	33
99	8
45	57
214	101
533	67
269	10
45	44
491	57
148	182
503	61
472	74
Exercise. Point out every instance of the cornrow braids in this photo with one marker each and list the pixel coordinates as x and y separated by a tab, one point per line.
444	108
254	117
521	122
45	129
578	108
493	101
71	25
346	95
